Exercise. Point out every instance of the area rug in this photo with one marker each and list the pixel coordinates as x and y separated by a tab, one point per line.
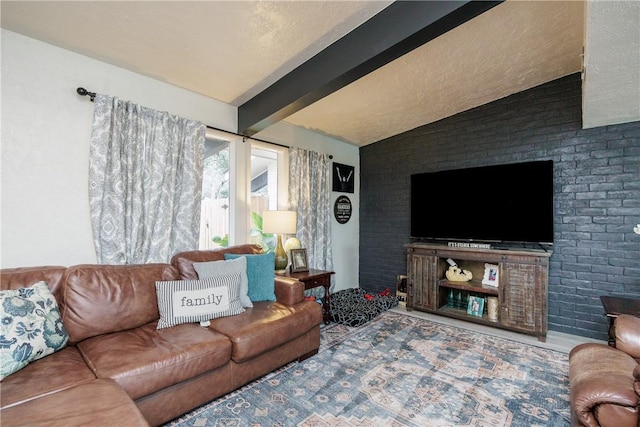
398	370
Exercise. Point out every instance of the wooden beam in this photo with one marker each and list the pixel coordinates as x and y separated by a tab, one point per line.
395	31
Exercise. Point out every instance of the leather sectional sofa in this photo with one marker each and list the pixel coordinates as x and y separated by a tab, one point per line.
605	381
118	369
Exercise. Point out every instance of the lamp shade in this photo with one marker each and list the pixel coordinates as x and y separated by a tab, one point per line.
279	222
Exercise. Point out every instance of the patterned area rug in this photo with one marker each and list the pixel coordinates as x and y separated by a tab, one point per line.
398	370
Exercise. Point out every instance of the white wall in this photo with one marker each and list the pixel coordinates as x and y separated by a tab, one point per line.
46	130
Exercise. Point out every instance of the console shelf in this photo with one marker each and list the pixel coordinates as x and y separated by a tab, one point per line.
521	291
470	286
462	315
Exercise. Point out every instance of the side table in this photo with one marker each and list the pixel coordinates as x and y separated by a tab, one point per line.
614	307
312	279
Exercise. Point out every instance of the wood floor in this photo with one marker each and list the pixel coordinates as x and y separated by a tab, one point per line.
557	341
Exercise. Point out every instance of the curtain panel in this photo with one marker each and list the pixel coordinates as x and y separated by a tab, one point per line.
145	182
310	196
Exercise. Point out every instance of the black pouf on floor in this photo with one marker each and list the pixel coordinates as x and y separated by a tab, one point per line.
351	307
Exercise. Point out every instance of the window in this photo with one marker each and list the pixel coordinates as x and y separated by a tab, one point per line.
215	209
268	188
241	179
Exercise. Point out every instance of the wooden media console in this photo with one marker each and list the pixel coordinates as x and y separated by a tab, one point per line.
521	291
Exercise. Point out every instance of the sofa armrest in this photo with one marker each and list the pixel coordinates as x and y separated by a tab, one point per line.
602	384
289	291
627	330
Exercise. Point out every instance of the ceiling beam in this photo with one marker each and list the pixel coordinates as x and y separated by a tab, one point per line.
395	31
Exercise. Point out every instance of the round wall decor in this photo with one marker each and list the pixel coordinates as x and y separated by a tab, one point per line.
342	209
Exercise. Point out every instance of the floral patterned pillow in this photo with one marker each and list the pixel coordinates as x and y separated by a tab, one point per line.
30	327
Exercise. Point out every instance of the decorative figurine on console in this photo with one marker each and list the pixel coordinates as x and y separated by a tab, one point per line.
456	274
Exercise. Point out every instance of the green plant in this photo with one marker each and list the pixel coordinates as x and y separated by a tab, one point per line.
222	241
267	241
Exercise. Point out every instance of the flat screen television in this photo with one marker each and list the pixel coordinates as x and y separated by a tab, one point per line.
510	203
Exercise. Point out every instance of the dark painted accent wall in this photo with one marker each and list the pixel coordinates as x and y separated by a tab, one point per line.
596	201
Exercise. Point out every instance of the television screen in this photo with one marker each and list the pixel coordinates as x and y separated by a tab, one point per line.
502	203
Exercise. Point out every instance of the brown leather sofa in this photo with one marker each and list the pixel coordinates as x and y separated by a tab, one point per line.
117	369
605	381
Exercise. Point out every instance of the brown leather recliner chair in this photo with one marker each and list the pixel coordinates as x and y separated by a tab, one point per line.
605	381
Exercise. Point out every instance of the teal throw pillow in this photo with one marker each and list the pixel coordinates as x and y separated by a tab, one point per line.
260	274
30	327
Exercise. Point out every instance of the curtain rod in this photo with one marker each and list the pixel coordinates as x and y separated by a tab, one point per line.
247	137
92	96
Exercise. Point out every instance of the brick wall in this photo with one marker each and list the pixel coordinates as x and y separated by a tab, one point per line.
596	200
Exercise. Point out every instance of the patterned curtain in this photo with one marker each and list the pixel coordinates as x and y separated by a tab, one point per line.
309	195
145	182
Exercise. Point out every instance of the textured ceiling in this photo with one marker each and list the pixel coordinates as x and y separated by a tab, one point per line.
227	50
233	50
510	48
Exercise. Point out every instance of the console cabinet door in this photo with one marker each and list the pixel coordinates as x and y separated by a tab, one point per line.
521	296
423	276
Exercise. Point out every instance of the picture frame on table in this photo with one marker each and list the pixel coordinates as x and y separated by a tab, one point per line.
475	306
299	260
490	275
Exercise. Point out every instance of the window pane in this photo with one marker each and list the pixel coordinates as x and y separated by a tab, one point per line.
214	218
264	193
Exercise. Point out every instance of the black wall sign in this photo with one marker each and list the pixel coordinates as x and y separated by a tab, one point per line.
343	178
342	209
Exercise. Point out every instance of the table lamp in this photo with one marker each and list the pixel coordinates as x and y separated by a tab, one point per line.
279	223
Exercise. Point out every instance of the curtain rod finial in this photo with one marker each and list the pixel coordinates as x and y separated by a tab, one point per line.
83	92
